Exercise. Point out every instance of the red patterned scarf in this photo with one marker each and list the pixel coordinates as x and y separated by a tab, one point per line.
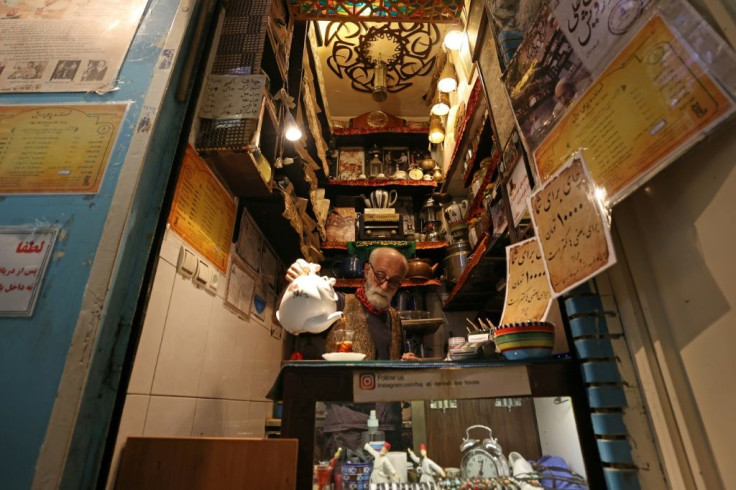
360	294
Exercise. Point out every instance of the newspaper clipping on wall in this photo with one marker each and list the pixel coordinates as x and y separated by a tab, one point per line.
64	45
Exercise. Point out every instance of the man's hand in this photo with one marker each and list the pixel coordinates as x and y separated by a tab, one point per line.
409	356
300	268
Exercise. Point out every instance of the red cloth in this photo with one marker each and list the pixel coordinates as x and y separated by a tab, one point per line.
360	294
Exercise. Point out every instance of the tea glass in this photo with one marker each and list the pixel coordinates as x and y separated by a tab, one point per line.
344	340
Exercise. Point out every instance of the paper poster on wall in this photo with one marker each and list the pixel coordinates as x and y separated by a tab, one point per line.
59	149
528	296
241	282
24	257
250	241
203	212
572	226
65	45
518	189
233	96
651	104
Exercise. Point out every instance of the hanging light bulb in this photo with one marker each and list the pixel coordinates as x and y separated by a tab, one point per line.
455	36
436	131
379	93
292	132
441	104
448	79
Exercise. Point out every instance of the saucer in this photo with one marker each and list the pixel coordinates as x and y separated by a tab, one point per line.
343	356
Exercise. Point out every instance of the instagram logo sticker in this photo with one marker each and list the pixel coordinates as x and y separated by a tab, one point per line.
367	381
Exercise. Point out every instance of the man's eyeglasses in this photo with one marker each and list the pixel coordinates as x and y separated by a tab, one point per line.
394	282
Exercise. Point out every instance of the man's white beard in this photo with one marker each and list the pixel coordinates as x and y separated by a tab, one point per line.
377	297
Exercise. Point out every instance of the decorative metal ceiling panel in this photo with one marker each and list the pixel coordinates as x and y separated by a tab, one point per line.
376	11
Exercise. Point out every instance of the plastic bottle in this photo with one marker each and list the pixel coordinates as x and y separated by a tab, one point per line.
376	438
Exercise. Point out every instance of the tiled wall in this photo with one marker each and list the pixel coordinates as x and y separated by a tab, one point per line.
199	369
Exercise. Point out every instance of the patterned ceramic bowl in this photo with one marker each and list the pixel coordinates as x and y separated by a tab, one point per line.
525	340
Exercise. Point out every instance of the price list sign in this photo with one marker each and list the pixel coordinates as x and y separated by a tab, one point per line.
203	213
527	293
572	228
60	149
651	103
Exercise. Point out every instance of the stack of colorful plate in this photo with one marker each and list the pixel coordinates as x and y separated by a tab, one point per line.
525	340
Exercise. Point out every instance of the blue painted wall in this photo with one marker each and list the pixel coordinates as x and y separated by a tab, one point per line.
33	350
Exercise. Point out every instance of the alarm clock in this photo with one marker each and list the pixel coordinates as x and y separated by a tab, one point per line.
482	459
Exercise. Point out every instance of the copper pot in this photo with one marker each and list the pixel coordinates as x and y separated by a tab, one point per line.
427	164
421	269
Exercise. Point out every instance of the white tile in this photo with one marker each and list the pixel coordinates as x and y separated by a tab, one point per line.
132	421
170	416
261	342
141	377
182	349
264	375
209	418
236	423
170	246
219	355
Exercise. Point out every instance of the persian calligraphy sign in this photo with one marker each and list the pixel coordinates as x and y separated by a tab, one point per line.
233	96
203	213
527	287
651	103
571	226
24	256
61	149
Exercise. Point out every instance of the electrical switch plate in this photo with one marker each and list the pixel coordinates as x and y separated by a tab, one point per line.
203	274
187	263
212	284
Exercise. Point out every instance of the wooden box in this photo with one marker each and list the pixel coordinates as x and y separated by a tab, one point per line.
160	463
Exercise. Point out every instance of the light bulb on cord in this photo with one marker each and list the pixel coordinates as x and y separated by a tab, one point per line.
436	131
293	132
441	104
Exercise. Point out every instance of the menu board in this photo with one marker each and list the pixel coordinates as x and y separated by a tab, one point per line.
650	104
56	149
24	256
527	287
573	230
203	213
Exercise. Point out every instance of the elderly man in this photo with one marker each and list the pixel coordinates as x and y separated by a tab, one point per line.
377	326
378	335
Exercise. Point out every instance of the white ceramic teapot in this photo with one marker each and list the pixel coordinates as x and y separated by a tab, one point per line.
455	211
309	304
381	199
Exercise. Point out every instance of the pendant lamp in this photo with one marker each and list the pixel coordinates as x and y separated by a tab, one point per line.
436	131
448	78
441	103
379	93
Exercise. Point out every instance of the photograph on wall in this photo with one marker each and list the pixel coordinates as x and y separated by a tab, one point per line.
350	163
573	227
396	161
250	241
241	282
259	307
651	104
68	45
543	77
24	257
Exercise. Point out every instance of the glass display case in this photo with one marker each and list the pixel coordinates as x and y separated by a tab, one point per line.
461	412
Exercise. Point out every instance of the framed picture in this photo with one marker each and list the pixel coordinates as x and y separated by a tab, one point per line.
241	282
395	159
464	56
475	26
250	242
350	163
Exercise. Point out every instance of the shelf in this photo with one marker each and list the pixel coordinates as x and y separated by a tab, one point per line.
478	200
356	283
479	151
477	285
383	183
419	245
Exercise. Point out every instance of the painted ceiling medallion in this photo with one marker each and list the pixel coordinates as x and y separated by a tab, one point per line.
405	49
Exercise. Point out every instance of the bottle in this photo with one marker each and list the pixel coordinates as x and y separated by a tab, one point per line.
376	438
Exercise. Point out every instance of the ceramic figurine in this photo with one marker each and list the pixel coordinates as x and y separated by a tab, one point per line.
383	470
427	467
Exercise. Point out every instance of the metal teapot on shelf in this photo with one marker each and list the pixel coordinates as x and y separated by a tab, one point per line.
381	198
